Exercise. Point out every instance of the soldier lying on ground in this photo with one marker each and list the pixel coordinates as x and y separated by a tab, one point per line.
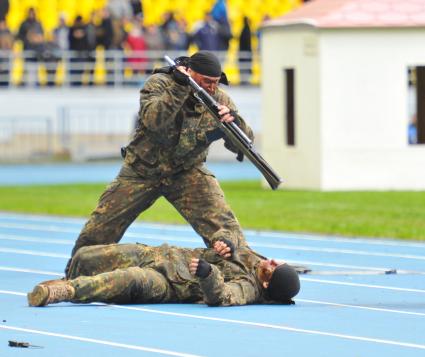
140	274
166	156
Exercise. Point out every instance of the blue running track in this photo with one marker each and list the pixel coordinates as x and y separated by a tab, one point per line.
347	307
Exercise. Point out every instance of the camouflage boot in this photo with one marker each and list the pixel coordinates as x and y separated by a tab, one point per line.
51	292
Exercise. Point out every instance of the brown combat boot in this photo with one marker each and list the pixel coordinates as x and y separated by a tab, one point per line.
51	292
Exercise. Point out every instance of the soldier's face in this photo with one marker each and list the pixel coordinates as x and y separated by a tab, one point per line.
265	271
210	84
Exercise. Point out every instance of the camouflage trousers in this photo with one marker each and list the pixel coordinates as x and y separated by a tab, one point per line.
195	193
120	274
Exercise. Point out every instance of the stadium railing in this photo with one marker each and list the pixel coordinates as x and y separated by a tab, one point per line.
109	68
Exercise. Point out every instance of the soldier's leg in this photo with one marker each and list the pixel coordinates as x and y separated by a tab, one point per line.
124	199
96	259
123	286
198	197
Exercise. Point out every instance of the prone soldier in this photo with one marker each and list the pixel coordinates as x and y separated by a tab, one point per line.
137	273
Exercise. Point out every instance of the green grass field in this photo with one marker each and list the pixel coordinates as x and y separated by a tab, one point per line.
366	214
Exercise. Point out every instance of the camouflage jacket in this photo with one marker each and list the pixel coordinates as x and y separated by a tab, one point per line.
172	130
231	282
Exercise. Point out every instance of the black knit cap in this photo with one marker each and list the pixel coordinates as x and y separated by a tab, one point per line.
284	284
206	63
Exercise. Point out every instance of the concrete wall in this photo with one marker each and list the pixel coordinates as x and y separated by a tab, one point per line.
351	107
298	48
365	112
106	111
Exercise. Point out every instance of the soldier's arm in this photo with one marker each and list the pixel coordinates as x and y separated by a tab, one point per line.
161	98
227	101
239	291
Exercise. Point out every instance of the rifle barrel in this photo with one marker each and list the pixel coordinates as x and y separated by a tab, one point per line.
234	133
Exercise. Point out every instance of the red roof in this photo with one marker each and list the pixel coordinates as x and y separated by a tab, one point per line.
356	13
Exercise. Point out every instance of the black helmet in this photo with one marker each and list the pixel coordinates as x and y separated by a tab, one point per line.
284	284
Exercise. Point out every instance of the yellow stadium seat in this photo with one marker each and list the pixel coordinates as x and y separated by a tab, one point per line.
60	73
99	67
42	74
49	11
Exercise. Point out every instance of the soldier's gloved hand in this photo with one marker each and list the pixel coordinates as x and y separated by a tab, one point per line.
224	247
180	76
200	268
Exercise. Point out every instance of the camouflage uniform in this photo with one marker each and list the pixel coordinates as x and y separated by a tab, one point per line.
165	158
136	273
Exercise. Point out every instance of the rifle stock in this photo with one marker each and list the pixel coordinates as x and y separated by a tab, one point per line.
234	134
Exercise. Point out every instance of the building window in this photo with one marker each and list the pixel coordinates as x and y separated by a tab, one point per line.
416	95
290	106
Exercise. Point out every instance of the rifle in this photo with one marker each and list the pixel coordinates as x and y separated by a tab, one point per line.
234	134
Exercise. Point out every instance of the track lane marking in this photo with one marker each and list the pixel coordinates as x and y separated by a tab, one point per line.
324	281
32	271
372	286
35	253
99	342
318	302
247	323
380	309
164	227
42	240
252	244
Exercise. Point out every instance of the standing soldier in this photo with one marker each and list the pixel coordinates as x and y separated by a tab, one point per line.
166	158
136	273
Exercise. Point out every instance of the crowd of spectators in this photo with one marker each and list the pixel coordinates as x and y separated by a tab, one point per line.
120	27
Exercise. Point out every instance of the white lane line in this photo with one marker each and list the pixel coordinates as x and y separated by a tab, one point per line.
32	271
252	244
256	233
8	292
43	228
99	342
259	324
42	240
32	252
334	282
338	239
360	307
334	265
81	221
20	238
136	237
350	306
339	251
278	327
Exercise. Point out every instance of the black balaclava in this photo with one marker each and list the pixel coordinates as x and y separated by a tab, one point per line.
207	64
284	284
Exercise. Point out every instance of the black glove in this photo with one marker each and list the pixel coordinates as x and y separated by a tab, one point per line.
214	135
179	77
229	244
203	269
234	114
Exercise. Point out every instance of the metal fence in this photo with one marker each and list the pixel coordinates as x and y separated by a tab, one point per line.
77	134
91	132
110	68
26	138
77	131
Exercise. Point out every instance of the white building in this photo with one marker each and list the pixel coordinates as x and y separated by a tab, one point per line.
336	95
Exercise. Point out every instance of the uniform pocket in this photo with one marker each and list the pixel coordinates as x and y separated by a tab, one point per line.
144	148
183	272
